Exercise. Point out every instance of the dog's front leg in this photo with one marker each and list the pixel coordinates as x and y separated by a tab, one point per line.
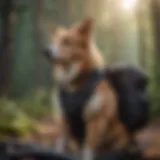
87	153
60	123
96	118
89	144
60	145
94	135
62	138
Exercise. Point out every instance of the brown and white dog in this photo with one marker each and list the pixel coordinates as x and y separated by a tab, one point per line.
74	55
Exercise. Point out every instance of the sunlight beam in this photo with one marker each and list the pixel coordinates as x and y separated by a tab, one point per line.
128	4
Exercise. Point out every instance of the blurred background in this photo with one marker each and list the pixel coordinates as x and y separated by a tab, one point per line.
127	31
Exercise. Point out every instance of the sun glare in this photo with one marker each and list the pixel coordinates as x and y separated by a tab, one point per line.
129	4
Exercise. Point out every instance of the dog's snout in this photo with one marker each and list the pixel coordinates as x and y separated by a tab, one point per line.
51	53
48	54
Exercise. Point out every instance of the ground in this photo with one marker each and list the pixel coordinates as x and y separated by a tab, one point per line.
149	139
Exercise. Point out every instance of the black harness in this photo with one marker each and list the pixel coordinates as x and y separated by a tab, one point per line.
73	104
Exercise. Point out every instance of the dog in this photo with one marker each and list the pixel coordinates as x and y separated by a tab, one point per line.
87	101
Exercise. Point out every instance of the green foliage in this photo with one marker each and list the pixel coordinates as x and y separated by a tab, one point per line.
36	104
10	115
17	117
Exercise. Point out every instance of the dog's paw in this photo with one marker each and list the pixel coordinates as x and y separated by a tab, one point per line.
87	154
60	145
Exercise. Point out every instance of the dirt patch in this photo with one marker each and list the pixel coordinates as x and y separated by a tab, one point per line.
149	140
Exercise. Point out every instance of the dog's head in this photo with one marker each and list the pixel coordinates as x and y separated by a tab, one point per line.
72	52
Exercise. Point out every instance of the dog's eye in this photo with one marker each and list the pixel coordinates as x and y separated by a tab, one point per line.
82	44
66	42
77	57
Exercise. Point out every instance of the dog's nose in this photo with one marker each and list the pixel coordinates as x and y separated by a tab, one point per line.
51	53
48	54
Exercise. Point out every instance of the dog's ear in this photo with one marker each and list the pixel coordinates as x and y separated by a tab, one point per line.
85	28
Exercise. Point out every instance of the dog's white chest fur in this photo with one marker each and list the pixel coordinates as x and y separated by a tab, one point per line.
94	104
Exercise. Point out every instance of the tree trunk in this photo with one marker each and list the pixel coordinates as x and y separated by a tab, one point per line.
155	6
38	41
156	24
141	34
5	48
116	33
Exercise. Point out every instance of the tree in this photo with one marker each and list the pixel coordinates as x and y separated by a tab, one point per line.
38	42
116	30
23	75
141	33
5	47
156	24
155	6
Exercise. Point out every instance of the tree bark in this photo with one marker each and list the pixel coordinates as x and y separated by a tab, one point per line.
38	41
156	26
141	34
155	6
116	33
5	48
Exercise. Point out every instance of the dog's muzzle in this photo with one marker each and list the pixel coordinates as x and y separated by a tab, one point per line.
51	53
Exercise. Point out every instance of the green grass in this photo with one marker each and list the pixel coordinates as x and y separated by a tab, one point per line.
17	117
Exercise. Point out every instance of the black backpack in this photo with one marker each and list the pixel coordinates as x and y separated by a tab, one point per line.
133	101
